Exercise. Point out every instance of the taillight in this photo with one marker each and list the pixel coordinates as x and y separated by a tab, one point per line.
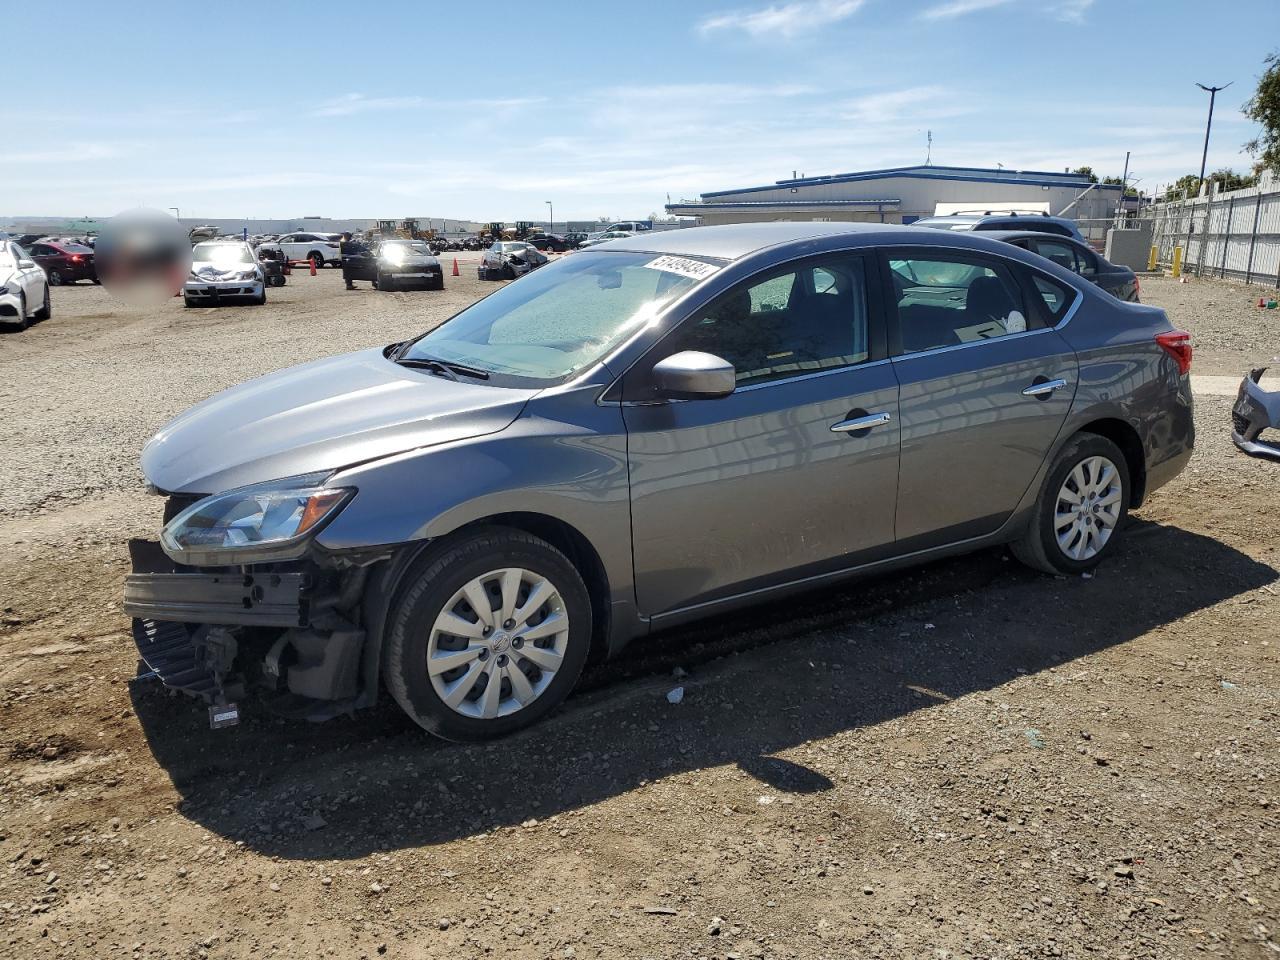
1177	343
75	258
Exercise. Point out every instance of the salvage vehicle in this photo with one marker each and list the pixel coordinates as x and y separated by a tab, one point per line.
396	262
1121	282
319	249
64	262
1008	220
24	288
617	443
222	271
606	236
549	241
508	259
1256	409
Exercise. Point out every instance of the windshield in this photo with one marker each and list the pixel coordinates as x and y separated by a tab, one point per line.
562	317
221	253
394	249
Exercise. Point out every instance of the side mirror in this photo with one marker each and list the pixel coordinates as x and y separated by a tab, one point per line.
692	375
26	264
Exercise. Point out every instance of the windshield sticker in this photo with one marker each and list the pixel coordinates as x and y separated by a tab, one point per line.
693	269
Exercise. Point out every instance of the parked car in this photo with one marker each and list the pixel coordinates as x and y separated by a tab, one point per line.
223	270
549	241
24	288
396	262
574	238
670	426
320	249
1121	282
64	262
1039	222
508	259
596	239
1256	409
630	226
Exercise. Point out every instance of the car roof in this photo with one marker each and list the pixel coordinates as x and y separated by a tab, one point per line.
1007	235
734	241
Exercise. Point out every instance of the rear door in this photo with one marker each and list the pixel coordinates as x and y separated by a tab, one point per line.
986	383
771	483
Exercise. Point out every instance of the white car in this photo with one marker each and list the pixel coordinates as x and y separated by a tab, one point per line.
508	259
24	288
604	237
224	270
320	248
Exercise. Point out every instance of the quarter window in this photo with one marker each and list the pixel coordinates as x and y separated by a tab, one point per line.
1063	254
944	302
795	322
1056	297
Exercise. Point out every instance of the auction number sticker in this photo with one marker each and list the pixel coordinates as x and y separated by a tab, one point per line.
694	269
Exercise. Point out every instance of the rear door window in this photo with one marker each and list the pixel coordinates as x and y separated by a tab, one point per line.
945	300
1063	254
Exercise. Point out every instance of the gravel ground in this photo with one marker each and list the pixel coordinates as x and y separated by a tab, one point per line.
969	760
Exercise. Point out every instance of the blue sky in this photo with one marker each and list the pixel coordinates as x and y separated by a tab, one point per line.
485	111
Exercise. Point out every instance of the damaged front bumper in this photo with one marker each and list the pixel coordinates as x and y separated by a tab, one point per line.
1255	410
294	629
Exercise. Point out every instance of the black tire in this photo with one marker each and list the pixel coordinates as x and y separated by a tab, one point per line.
276	280
432	583
317	258
1039	548
438	284
508	272
23	321
386	282
188	302
261	299
55	278
96	280
46	311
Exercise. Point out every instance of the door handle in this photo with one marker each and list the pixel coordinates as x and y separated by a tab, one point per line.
1043	388
861	423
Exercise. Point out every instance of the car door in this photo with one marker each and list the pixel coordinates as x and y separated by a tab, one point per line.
986	383
793	474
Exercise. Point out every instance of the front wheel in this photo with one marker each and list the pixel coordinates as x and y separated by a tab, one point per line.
317	260
488	636
46	309
385	282
1081	509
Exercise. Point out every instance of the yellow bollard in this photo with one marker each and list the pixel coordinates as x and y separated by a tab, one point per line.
1151	260
1177	262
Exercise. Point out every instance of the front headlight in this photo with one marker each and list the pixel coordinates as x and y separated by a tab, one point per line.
248	275
251	525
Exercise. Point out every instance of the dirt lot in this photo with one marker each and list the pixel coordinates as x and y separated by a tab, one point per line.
968	761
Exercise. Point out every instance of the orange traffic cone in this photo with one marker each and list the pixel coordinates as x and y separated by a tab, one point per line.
313	268
1261	303
455	267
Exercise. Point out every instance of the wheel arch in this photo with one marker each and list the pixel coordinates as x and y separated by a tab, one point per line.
1125	436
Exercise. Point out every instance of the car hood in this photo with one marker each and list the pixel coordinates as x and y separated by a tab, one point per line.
220	270
320	416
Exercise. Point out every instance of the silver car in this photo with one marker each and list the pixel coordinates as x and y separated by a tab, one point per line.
508	259
669	427
222	271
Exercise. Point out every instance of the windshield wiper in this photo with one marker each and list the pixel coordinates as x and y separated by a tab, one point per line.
445	367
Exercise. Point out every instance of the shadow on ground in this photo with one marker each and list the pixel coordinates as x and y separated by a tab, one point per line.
805	669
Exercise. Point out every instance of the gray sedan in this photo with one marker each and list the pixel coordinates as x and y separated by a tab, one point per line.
672	426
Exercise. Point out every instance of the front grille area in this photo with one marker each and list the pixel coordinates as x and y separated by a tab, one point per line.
1239	424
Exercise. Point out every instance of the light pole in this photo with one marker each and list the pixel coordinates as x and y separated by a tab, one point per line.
551	227
1213	93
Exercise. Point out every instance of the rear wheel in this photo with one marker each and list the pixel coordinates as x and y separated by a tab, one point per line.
1081	509
316	258
488	635
56	278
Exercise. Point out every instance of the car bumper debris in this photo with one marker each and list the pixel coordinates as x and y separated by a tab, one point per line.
1256	410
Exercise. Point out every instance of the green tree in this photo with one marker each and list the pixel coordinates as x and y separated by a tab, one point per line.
1264	108
1088	172
1189	183
1228	179
1117	181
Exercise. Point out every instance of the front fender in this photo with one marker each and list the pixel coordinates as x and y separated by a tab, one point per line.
562	458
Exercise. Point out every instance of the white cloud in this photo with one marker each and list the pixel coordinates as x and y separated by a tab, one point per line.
924	102
350	103
960	8
1073	11
785	20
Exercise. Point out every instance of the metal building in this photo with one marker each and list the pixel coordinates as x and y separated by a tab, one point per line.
904	194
